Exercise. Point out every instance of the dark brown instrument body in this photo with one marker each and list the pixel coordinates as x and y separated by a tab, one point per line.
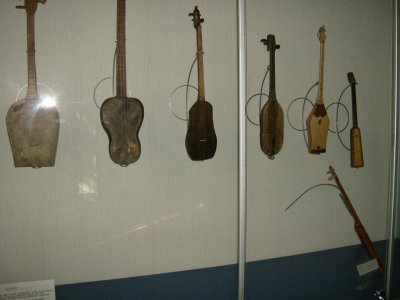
33	123
121	119
201	140
271	118
356	152
318	121
358	226
122	116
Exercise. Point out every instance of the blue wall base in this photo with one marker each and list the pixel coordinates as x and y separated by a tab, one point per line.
329	274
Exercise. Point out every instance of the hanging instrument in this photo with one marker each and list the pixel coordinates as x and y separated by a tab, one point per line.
201	140
356	152
318	121
271	117
33	123
122	116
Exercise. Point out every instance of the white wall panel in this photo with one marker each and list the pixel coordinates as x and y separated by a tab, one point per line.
89	219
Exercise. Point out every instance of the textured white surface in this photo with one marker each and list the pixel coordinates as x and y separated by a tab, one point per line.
89	219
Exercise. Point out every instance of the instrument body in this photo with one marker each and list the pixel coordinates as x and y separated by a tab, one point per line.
32	122
271	117
122	116
358	226
317	122
356	152
201	140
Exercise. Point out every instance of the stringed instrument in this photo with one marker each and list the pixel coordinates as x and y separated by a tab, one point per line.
33	123
271	118
201	140
356	152
318	121
358	226
122	116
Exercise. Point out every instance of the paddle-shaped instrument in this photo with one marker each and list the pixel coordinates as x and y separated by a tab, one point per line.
122	116
357	160
318	121
33	123
201	140
271	118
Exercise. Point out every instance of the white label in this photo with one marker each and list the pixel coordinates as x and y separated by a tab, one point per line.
34	290
367	267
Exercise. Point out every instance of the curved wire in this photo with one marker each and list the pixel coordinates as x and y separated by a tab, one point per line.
288	109
260	100
309	189
187	85
38	83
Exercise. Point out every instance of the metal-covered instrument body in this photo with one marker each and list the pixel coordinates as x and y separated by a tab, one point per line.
356	151
271	117
33	123
317	122
201	140
122	116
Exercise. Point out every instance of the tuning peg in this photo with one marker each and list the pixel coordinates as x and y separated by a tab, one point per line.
201	20
264	41
20	7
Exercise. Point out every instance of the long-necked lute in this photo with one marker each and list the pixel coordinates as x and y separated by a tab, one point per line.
122	116
33	123
358	226
356	152
318	121
201	140
271	117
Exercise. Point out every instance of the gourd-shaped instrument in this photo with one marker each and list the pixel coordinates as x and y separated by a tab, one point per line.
201	140
318	121
356	156
33	123
271	118
122	116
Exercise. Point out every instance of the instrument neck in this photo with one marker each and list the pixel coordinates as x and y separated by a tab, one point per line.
121	50
320	96
354	104
32	82
272	90
200	65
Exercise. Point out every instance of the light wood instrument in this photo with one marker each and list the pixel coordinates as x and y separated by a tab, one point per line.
318	121
356	156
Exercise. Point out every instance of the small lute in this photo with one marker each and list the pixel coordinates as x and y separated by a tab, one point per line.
33	123
122	116
201	140
356	156
318	121
271	117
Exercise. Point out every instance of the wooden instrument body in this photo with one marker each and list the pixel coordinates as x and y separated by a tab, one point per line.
271	117
201	140
356	152
271	127
33	124
33	133
122	116
317	122
317	129
121	119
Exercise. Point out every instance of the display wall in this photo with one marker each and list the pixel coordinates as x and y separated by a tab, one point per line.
88	219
